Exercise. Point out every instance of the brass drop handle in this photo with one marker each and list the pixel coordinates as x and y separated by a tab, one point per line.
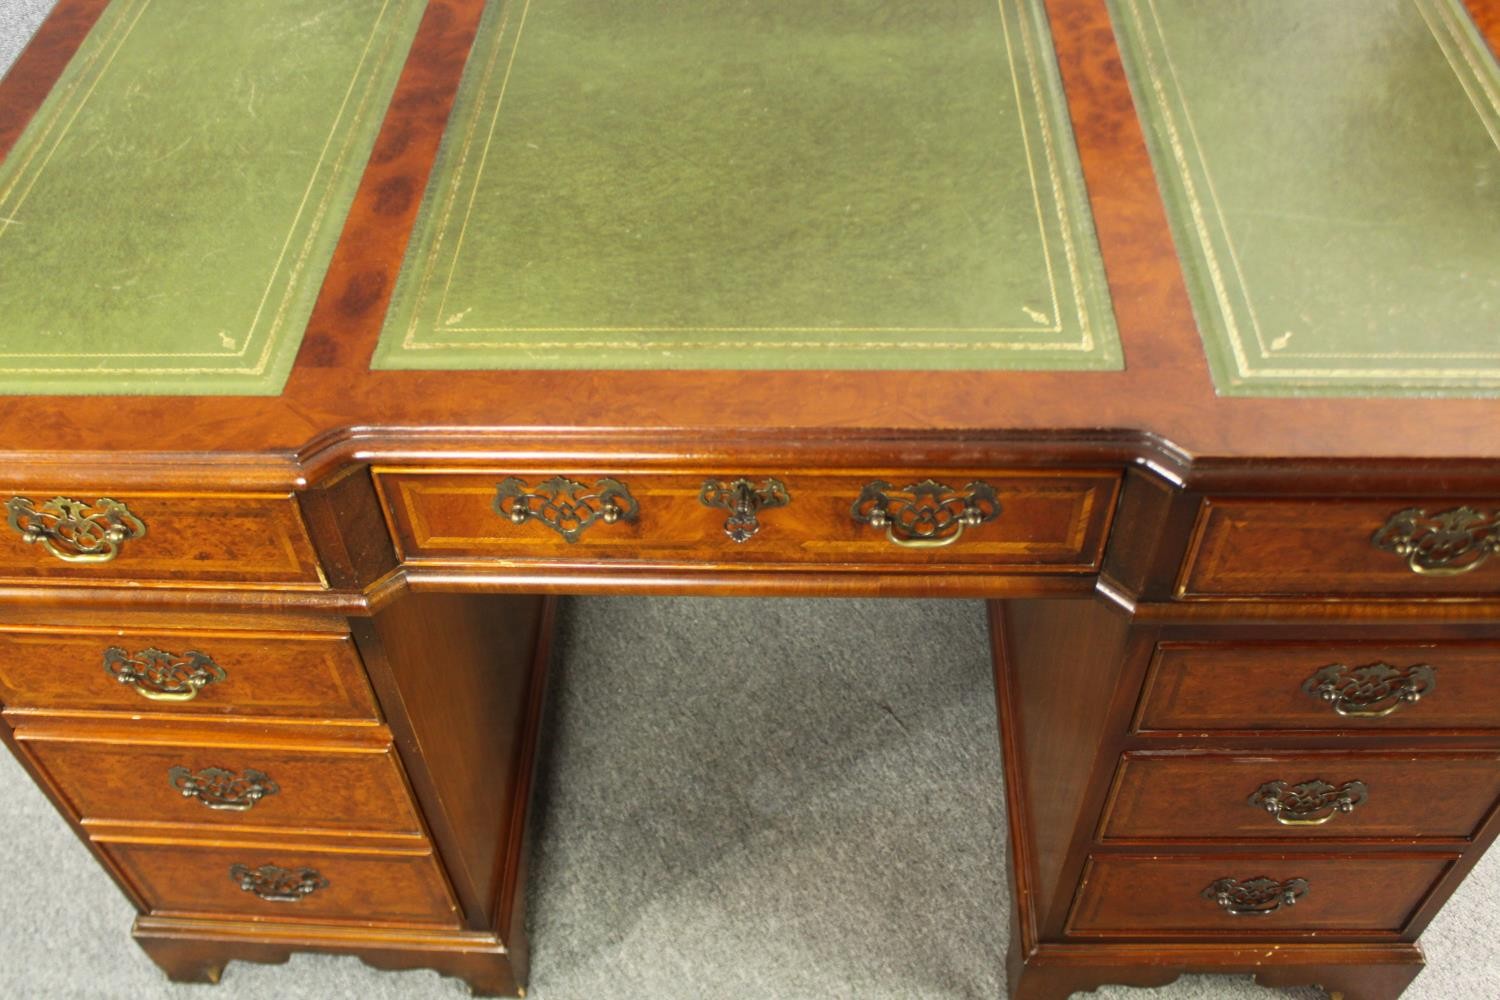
157	675
276	884
567	507
744	501
75	531
1256	897
1312	803
1448	543
221	789
925	515
1372	691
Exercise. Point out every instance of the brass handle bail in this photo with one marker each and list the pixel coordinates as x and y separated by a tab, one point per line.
157	675
222	789
1312	803
1372	691
567	507
75	531
1256	897
1449	543
926	515
276	884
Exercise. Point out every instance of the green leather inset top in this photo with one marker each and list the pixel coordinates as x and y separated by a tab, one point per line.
1332	171
776	184
167	217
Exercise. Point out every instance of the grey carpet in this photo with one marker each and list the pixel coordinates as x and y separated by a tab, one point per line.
739	799
18	21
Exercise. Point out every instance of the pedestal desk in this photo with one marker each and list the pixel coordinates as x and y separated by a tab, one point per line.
1175	335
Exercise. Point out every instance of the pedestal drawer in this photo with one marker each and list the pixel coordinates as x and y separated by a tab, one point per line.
1206	687
1305	795
1020	519
335	788
286	883
183	539
138	671
1253	547
1240	895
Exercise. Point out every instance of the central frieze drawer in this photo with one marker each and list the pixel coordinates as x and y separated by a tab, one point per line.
178	539
177	673
1135	896
1023	520
1304	795
333	788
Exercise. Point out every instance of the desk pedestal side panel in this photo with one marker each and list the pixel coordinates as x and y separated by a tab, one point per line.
468	673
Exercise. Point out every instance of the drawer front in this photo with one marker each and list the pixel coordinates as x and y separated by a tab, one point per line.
1029	521
164	538
1205	796
304	884
182	673
1364	548
1124	896
346	790
1200	687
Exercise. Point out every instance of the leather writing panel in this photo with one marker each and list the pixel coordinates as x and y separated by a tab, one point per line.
784	184
1332	171
168	215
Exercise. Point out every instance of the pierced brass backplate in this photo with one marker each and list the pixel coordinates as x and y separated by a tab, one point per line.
75	531
1444	544
567	507
1256	897
928	514
217	788
161	676
1312	803
1372	691
276	884
744	500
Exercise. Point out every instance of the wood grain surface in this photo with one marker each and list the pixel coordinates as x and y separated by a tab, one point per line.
283	675
1360	896
1412	795
1165	393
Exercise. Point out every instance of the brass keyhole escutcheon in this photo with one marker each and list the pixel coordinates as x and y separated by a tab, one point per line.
744	500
